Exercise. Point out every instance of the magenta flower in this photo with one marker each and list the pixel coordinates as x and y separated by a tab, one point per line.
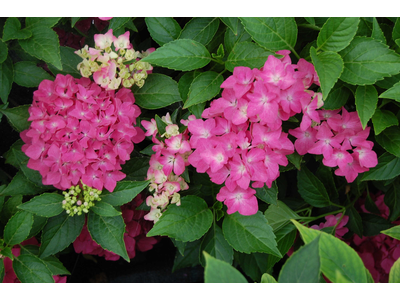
239	200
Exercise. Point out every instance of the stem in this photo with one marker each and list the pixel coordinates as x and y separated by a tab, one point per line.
310	219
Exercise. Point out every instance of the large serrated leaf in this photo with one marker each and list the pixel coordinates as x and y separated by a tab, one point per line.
268	195
367	60
12	30
182	55
250	233
232	23
3	51
124	192
203	88
366	101
201	30
18	228
247	54
27	74
393	232
337	97
45	205
18	117
337	33
280	214
392	93
162	29
303	266
218	271
159	91
31	269
6	78
187	222
387	168
59	233
43	44
272	33
390	140
329	66
108	232
394	274
104	209
383	119
20	185
231	39
339	262
44	21
311	188
215	244
69	61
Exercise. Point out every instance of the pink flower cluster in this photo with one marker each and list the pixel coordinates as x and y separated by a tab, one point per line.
378	252
334	135
166	165
9	274
331	221
80	131
135	236
241	141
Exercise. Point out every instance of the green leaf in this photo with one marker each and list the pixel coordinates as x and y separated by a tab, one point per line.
55	266
393	232
136	168
180	246
383	119
355	221
45	205
12	30
189	258
27	74
187	222
250	233
116	23
280	214
303	266
203	88
10	207
159	91
285	237
392	200
253	264
247	54
18	228
377	32
181	55
311	188
2	271
20	185
3	51
337	97
124	192
201	30
392	93
366	101
232	23
215	244
31	269
396	30
337	33
59	232
44	45
108	232
367	60
231	39
18	117
73	21
184	83
266	278
218	271
387	168
162	29
394	274
268	195
329	66
45	21
373	224
38	224
69	61
272	33
104	209
339	262
325	175
6	79
389	139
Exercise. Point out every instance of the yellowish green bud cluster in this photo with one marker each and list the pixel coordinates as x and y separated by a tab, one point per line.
78	200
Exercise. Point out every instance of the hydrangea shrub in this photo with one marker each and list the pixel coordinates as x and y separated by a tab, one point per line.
247	146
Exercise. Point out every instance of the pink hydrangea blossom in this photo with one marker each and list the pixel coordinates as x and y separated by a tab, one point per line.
87	139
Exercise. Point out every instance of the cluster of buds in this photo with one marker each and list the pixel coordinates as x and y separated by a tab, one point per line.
166	165
79	199
113	62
